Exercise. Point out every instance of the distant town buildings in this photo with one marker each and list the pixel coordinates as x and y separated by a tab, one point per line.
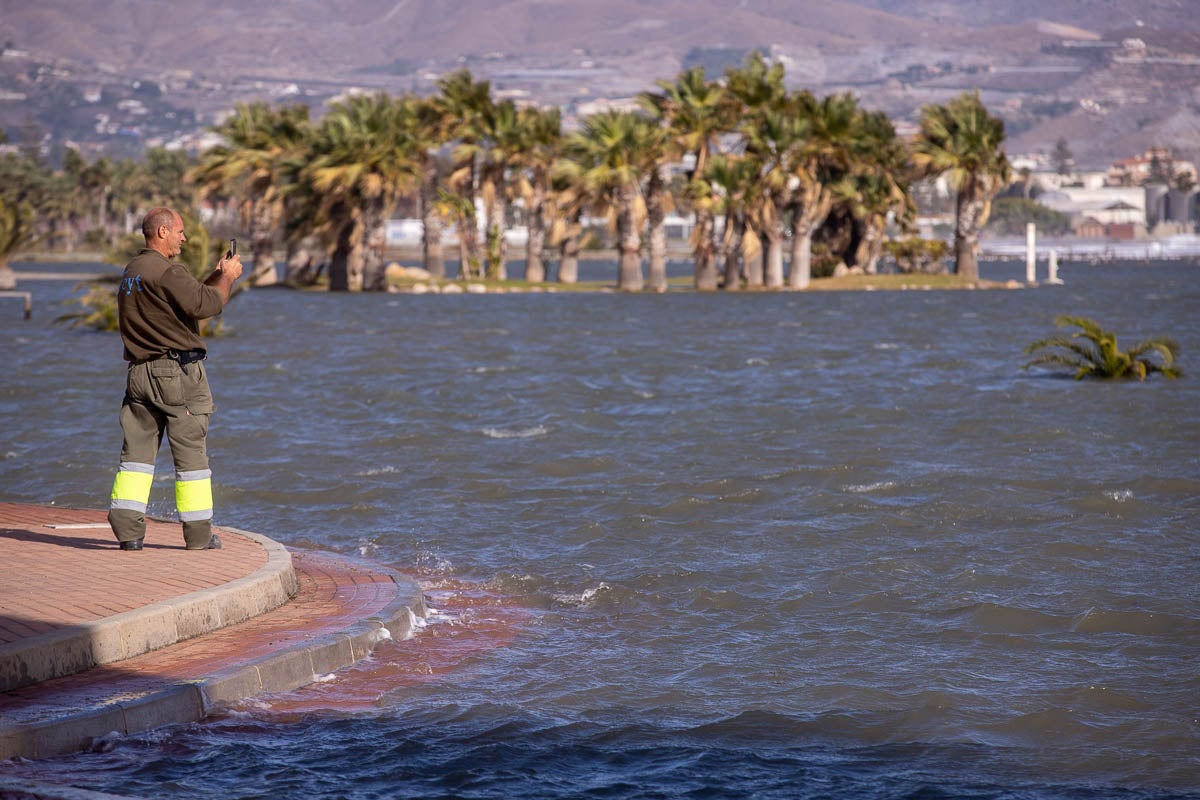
1151	194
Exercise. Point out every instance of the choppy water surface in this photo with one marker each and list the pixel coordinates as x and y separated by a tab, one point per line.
786	545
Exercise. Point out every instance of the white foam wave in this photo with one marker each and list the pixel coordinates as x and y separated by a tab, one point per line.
585	598
1119	495
415	624
324	678
757	362
866	488
516	433
886	346
389	470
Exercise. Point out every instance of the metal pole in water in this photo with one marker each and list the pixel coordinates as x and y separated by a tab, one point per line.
26	296
1053	267
1030	252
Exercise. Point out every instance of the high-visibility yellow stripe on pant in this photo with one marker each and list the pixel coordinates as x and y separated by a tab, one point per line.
131	487
193	495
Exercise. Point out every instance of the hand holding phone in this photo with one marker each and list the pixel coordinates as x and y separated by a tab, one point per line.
232	251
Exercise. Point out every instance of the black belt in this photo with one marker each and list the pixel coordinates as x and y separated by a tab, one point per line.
185	357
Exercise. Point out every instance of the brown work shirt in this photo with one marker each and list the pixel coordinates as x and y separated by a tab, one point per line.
159	307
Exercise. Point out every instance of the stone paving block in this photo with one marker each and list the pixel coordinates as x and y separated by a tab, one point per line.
145	630
201	615
46	656
287	670
332	655
230	686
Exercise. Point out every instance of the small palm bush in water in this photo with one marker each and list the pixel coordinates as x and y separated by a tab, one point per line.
1092	352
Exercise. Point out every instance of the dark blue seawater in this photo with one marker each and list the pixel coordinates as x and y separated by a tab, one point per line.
823	544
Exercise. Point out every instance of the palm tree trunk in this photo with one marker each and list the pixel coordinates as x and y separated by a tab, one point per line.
735	234
535	267
800	275
339	267
772	253
568	262
629	260
345	266
497	245
468	246
870	248
431	226
262	245
808	215
774	266
657	234
966	235
374	278
703	253
304	262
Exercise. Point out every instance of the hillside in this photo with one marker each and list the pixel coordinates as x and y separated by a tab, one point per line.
1051	69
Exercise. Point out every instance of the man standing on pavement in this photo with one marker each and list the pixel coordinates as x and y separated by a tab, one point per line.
159	305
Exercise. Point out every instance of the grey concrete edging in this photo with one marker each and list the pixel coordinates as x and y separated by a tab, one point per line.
191	701
18	789
132	633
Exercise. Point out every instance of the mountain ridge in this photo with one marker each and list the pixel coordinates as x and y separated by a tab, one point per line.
1046	68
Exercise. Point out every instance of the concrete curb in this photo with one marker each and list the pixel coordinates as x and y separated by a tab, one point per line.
15	789
132	633
193	700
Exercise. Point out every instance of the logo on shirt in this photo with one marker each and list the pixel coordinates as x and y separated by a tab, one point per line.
130	285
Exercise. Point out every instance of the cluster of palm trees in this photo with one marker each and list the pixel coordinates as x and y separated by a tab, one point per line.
772	177
83	206
762	167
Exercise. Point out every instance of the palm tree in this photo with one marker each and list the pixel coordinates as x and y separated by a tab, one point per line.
466	104
608	155
770	126
461	211
540	146
362	163
1100	357
427	139
821	157
655	152
734	180
695	111
877	190
501	149
571	198
16	230
962	140
772	135
96	183
247	169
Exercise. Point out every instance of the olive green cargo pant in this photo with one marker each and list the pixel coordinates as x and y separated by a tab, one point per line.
164	396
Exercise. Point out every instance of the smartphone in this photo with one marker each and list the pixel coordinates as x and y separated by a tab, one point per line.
232	251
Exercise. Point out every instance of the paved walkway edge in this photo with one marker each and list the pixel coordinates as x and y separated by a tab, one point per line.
191	701
17	789
132	633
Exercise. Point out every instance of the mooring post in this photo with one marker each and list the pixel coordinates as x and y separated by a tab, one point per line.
28	296
1030	253
1053	267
